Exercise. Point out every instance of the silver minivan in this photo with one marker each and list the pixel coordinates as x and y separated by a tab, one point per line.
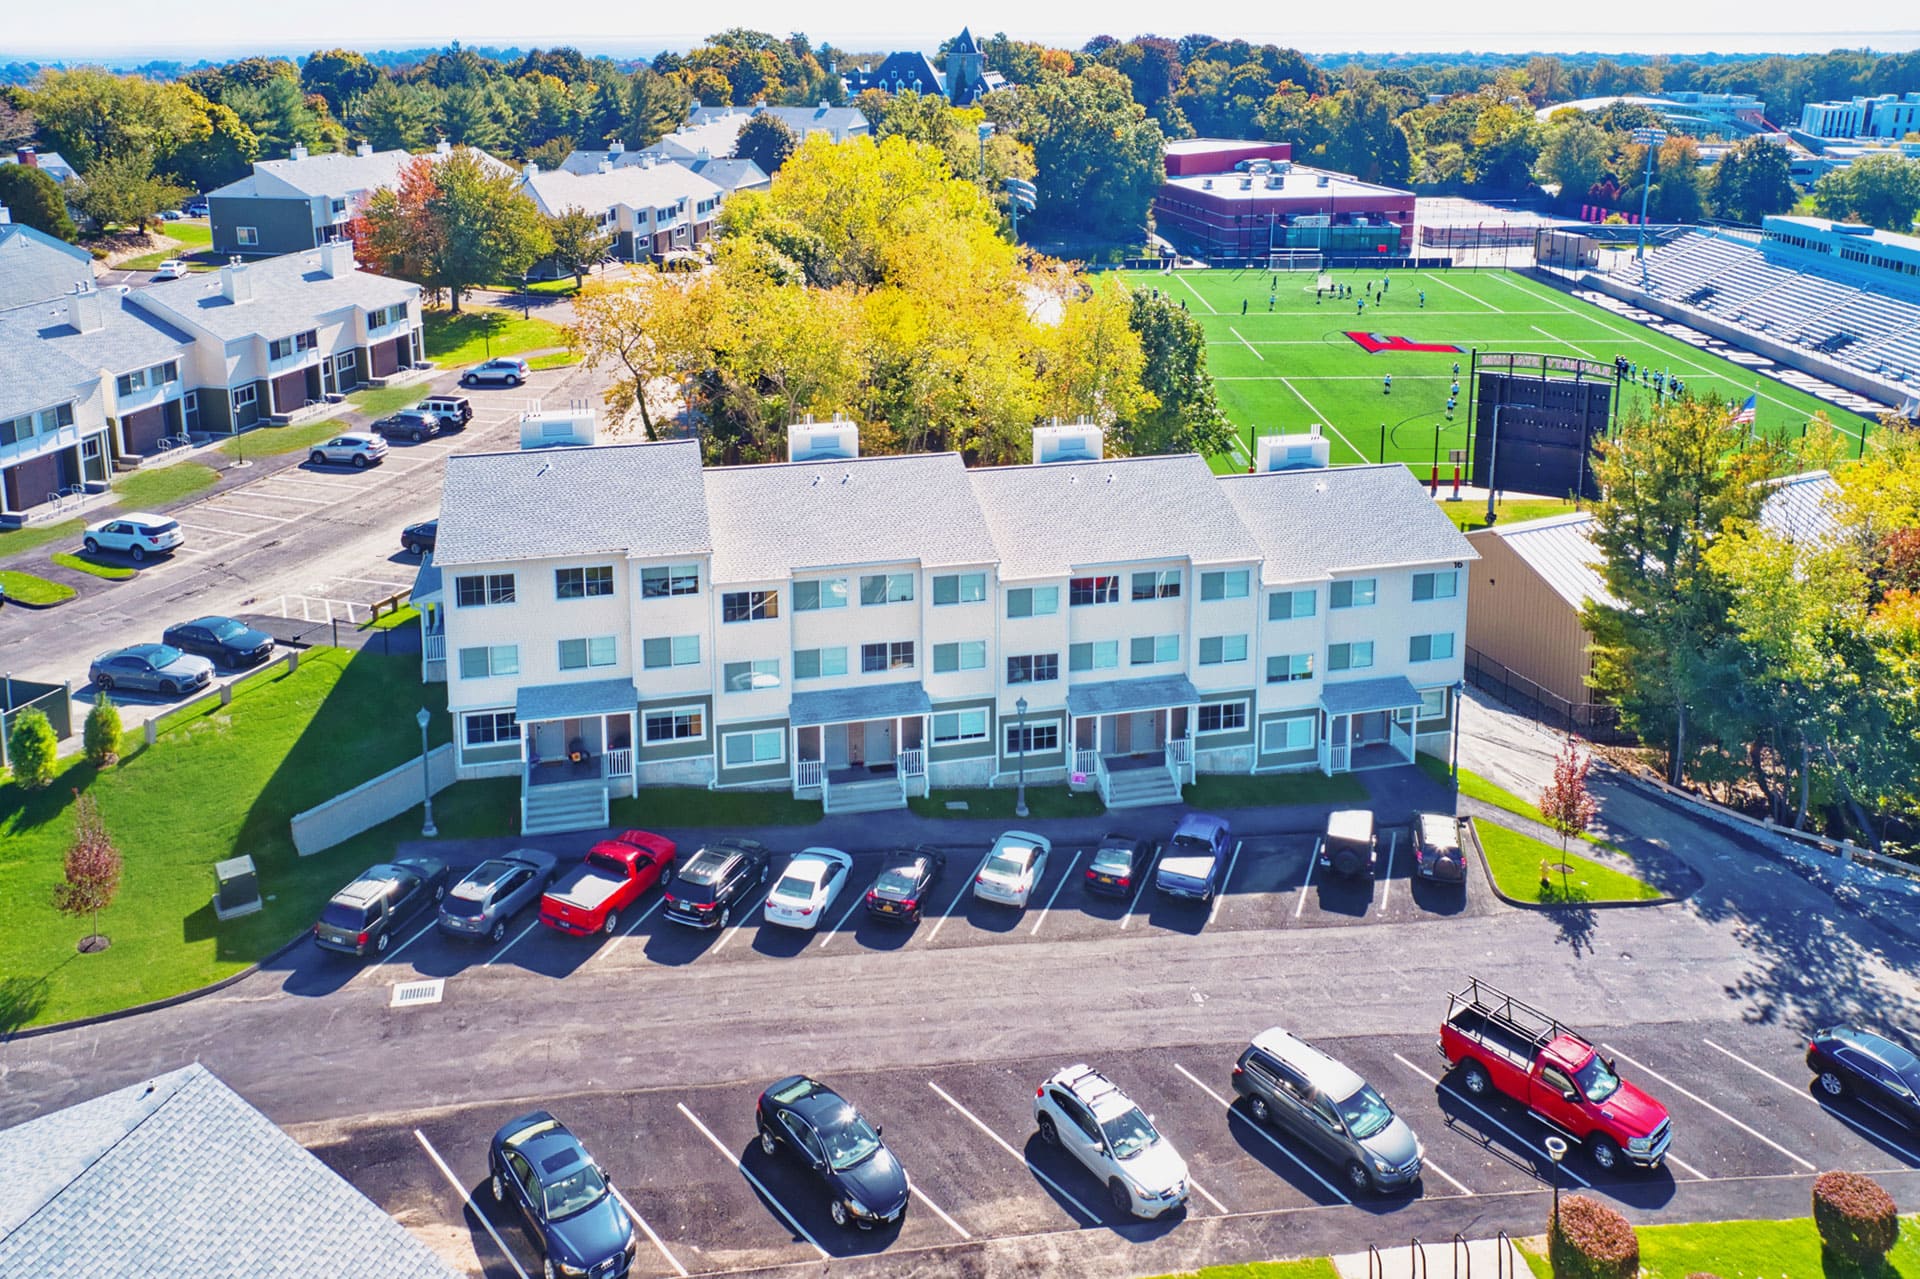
1291	1085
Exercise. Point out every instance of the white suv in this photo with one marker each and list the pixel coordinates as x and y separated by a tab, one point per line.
356	449
1081	1109
135	534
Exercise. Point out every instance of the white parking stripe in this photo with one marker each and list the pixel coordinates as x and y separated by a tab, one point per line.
1140	889
1686	1167
842	921
1055	896
472	1207
750	913
1700	1101
1386	889
1430	1166
1000	1141
271	521
938	1211
758	1185
1224	881
641	1222
208	528
1207	1195
1851	1122
395	952
965	884
1313	859
515	942
628	930
1458	1096
1271	1139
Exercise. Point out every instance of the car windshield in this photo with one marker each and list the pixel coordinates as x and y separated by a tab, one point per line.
1113	860
1189	845
1597	1083
226	628
1007	864
462	906
576	1192
607	864
1128	1134
163	655
899	880
853	1142
794	886
1364	1113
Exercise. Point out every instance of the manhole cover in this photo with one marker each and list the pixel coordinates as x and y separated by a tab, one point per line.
407	994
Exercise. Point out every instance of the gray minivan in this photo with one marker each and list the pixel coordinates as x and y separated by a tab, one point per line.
1291	1085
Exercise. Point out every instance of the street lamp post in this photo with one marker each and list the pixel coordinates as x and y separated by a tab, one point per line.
1020	796
1651	140
986	131
1556	1150
426	774
1493	460
1453	766
526	297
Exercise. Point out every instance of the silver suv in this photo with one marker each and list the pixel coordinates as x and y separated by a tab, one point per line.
356	448
1291	1085
1080	1109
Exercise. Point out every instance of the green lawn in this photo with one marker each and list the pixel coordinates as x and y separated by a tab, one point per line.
554	360
1312	1268
1222	790
379	401
1749	1250
476	335
29	589
1514	861
671	807
151	488
405	615
80	564
998	802
1468	516
15	541
1474	786
271	441
193	237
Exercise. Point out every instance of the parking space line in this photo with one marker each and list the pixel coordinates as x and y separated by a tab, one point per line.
1801	1092
208	528
274	520
1055	896
965	884
1140	889
1470	1105
1001	1142
472	1207
940	1212
1686	1167
1225	880
841	922
641	1222
395	952
533	924
1194	1185
758	1185
1313	859
1271	1139
758	902
1386	889
1452	1180
628	930
265	495
1700	1101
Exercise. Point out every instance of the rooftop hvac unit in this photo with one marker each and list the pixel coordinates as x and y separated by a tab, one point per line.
1246	184
1206	184
1073	442
1309	452
1275	182
811	441
543	428
1283	166
1321	181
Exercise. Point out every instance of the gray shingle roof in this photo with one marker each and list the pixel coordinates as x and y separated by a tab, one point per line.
34	265
34	375
804	120
1313	523
729	174
632	186
1119	696
1046	519
332	173
1358	696
127	339
179	1178
290	292
575	701
844	705
647	499
1800	506
1560	549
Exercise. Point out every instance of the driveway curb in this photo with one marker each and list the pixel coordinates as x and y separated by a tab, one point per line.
1471	824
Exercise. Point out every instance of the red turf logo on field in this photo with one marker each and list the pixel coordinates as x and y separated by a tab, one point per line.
1374	343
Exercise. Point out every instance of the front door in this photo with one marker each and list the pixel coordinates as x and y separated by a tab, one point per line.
856	745
1143	733
878	741
835	736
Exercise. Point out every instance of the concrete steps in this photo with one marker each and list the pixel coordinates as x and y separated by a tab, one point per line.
552	810
875	796
1141	788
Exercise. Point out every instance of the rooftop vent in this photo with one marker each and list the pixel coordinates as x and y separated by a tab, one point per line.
810	441
1309	452
1080	441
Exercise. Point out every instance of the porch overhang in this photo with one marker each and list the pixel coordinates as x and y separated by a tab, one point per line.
538	702
848	705
426	582
1124	696
1363	696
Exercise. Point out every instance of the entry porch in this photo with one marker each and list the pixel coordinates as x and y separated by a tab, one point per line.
1133	738
1368	724
576	752
860	749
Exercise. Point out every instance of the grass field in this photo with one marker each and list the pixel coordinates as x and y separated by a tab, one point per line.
1748	1250
1280	370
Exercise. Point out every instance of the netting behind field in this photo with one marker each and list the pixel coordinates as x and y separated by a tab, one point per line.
1295	260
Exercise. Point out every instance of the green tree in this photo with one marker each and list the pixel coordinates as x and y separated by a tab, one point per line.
338	76
223	154
34	199
472	115
31	747
278	114
1098	158
767	141
87	114
123	190
1751	180
1880	190
100	737
653	105
452	224
395	116
1576	157
579	242
1185	418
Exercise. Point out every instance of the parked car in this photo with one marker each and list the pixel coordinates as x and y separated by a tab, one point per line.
1437	853
221	640
905	879
1499	1044
589	898
495	891
539	1170
137	534
364	915
1847	1062
408	424
150	668
1081	1110
506	371
1117	866
418	539
196	209
807	1120
1011	868
1291	1085
1195	859
171	269
1348	848
356	449
171	215
808	886
454	411
708	885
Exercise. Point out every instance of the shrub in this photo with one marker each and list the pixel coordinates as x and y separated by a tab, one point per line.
101	736
31	748
1857	1220
1589	1240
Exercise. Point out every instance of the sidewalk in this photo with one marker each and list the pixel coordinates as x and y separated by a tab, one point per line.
1491	1258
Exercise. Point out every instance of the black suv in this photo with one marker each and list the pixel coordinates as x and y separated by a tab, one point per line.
1849	1062
365	914
708	885
409	424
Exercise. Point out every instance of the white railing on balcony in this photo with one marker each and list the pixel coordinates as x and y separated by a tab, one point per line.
1180	759
435	643
619	762
810	774
912	765
1086	764
1338	756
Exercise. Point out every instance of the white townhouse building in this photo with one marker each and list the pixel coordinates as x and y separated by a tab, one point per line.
651	208
861	629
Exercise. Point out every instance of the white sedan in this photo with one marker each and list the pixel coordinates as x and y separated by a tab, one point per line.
808	887
1011	868
171	269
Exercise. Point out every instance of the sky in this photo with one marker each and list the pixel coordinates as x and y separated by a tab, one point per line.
213	28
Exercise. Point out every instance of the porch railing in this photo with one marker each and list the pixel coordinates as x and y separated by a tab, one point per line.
1401	737
1086	763
1180	759
912	765
434	646
1338	757
619	762
810	774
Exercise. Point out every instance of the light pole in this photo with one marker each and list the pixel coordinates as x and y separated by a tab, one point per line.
1020	796
526	297
1556	1151
986	131
426	774
1651	140
1493	460
1453	768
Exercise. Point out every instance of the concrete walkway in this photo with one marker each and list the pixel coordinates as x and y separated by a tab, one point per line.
1487	1258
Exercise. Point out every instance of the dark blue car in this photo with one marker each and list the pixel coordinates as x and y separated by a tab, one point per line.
811	1122
1195	859
540	1170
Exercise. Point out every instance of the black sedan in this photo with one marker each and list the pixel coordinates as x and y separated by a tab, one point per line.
1858	1063
541	1171
1117	866
817	1126
418	539
221	640
900	891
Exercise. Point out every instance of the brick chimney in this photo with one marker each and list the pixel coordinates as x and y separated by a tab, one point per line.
26	156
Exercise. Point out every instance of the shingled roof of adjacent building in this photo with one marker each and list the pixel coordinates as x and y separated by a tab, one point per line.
1313	523
289	293
34	265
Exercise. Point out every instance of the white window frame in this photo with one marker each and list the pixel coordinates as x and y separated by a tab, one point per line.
1357	597
820	662
674	714
493	718
1012	726
1228	649
1413	650
1299	667
243	396
1093	649
1449	577
1159	642
1292	598
1225	584
501	660
1433	702
753	738
968	655
1351	646
603	647
1034	595
960	721
676	652
1160	583
755	667
1222	708
831	593
1306	726
675	578
247	237
895	588
968	588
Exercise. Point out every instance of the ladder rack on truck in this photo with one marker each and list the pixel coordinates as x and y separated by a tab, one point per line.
1484	1011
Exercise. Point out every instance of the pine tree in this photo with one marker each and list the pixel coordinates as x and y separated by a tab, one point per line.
31	748
101	736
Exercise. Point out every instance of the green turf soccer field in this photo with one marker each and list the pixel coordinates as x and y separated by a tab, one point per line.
1279	370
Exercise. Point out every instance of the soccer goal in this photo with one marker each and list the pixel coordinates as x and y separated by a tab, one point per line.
1295	260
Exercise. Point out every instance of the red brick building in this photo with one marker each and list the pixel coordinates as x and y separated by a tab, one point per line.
1240	199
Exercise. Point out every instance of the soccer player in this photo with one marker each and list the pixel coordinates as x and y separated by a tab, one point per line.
1386	385
1243	306
1360	306
1423	299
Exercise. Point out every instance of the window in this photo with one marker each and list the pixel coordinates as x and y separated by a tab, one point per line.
661	581
479	663
346	362
749	606
743	750
1157	584
1357	656
158	375
886	588
828	592
247	236
583	583
243	396
966	655
1034	739
28	425
490	727
386	315
1284	606
886	657
1221	650
1222	717
1294	734
817	663
747	677
1149	650
1229	584
1033	601
960	588
1354	592
674	724
1433	703
480	590
662	651
1093	590
1289	667
1035	668
959	726
1100	655
1436	586
579	654
281	348
1430	648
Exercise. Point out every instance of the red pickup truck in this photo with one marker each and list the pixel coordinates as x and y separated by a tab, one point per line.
1500	1044
589	898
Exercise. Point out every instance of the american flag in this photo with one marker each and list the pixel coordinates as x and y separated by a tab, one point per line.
1743	416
